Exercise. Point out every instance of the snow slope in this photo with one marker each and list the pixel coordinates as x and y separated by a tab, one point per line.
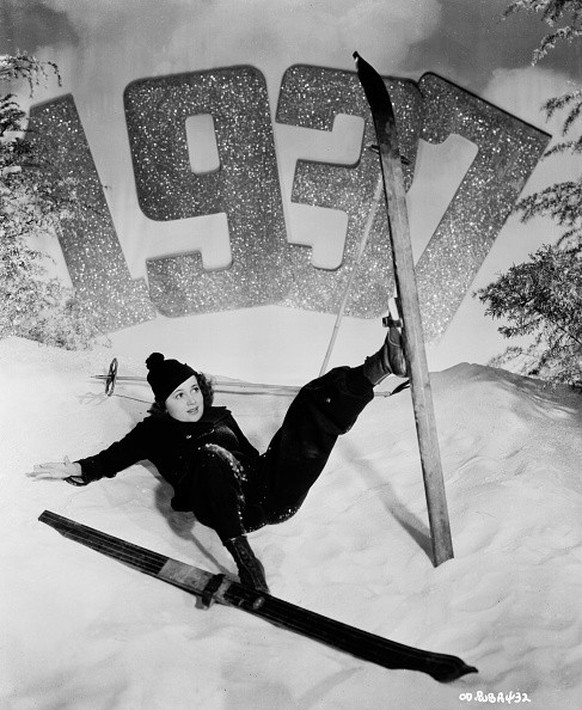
82	632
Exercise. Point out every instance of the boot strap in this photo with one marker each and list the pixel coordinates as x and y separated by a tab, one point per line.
211	589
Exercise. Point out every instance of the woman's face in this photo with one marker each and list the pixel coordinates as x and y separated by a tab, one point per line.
186	403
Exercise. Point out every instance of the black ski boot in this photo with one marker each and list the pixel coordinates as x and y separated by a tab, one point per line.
389	359
250	570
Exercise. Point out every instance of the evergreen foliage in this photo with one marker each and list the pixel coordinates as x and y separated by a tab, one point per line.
542	299
33	200
552	12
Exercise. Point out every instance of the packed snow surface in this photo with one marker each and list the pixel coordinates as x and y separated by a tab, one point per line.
80	631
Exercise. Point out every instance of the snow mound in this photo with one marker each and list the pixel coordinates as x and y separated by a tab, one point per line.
80	631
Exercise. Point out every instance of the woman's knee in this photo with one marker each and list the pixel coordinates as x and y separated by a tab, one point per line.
217	460
215	475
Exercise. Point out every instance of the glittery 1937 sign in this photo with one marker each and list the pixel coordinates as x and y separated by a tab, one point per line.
266	268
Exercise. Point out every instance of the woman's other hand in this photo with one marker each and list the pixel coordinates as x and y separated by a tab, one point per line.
58	470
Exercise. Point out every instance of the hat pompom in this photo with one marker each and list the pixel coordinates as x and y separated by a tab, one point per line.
154	360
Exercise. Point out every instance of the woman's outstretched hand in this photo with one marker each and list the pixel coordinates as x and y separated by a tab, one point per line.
59	470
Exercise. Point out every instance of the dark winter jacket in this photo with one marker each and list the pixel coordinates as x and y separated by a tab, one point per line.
171	446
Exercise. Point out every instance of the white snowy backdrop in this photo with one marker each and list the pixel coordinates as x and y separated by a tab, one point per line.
80	631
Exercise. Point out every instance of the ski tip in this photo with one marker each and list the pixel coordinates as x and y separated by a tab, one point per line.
467	669
360	62
453	669
373	85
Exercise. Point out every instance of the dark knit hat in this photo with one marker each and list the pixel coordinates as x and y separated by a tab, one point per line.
165	375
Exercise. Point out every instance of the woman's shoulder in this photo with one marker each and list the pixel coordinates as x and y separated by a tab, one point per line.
149	424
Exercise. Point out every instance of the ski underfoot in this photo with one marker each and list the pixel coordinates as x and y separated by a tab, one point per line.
218	588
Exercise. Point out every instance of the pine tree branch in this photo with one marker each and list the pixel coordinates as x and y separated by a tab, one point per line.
552	12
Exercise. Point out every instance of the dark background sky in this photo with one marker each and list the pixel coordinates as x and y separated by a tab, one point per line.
468	43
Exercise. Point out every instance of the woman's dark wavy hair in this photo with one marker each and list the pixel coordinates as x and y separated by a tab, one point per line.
206	387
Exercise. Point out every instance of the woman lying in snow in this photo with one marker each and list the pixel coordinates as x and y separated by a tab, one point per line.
216	473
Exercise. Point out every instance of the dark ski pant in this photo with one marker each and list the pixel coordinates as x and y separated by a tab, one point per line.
234	501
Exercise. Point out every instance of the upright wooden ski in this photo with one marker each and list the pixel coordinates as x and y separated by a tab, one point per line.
216	587
390	162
